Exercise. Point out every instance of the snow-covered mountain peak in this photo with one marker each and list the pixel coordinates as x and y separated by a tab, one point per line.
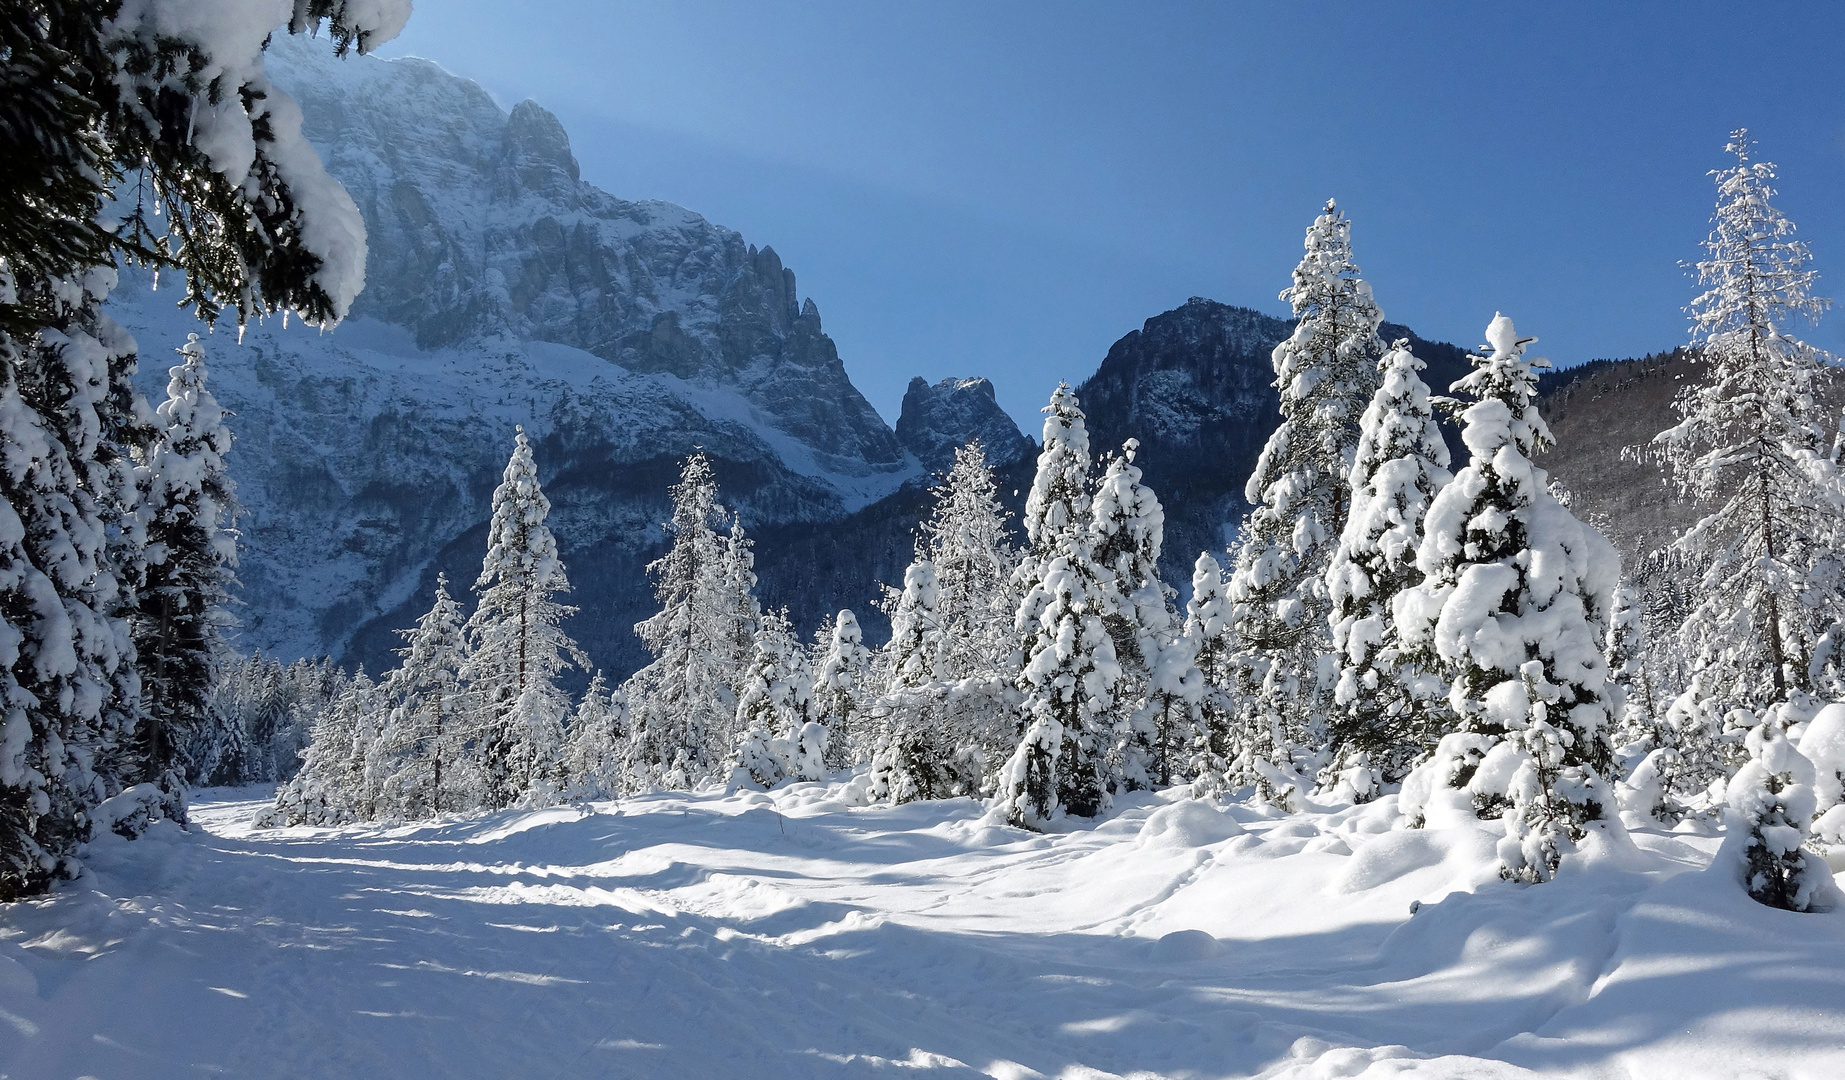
937	419
502	289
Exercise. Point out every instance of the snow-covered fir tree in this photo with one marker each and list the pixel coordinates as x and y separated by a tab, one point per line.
1752	446
1387	708
419	766
67	680
1127	529
598	737
918	752
1647	754
1515	601
842	692
742	613
331	788
914	652
1211	637
188	506
224	189
776	739
966	539
1057	507
1069	673
1772	800
517	646
686	697
1069	680
1326	373
1172	711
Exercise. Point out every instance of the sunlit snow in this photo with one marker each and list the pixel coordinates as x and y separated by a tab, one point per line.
791	934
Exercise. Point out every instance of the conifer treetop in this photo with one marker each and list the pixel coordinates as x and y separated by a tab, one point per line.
1059	499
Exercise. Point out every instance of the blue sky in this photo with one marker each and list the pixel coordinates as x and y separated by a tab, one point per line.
1006	189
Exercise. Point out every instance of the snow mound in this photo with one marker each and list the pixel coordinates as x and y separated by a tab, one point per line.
1188	824
1184	946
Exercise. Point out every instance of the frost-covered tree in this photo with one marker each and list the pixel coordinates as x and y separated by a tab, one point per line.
419	765
1069	675
517	646
1771	800
914	652
918	752
188	506
1514	601
598	737
1127	529
1327	373
842	690
776	740
129	133
965	539
742	613
1057	507
685	699
1208	627
1171	713
332	788
1069	680
1385	704
1752	446
68	686
1647	746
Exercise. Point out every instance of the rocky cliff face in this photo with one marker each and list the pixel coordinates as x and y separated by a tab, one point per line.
938	419
501	291
1195	386
481	227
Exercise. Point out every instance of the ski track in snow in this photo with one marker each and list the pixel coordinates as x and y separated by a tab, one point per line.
789	935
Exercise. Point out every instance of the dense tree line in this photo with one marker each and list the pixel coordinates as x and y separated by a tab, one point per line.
1392	618
1396	615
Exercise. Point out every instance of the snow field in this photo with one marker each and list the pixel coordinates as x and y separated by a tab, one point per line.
791	934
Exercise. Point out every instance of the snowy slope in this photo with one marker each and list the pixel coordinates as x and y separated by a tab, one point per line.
789	935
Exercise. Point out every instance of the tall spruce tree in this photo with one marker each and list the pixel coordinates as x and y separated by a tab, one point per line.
965	539
1515	602
774	741
1326	373
1127	530
517	646
842	692
189	504
1211	637
1069	673
419	764
1752	446
1057	507
683	701
1387	707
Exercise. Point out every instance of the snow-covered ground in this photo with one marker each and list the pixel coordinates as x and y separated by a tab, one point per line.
790	935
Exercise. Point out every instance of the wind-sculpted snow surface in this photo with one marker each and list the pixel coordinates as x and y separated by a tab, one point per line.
792	934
